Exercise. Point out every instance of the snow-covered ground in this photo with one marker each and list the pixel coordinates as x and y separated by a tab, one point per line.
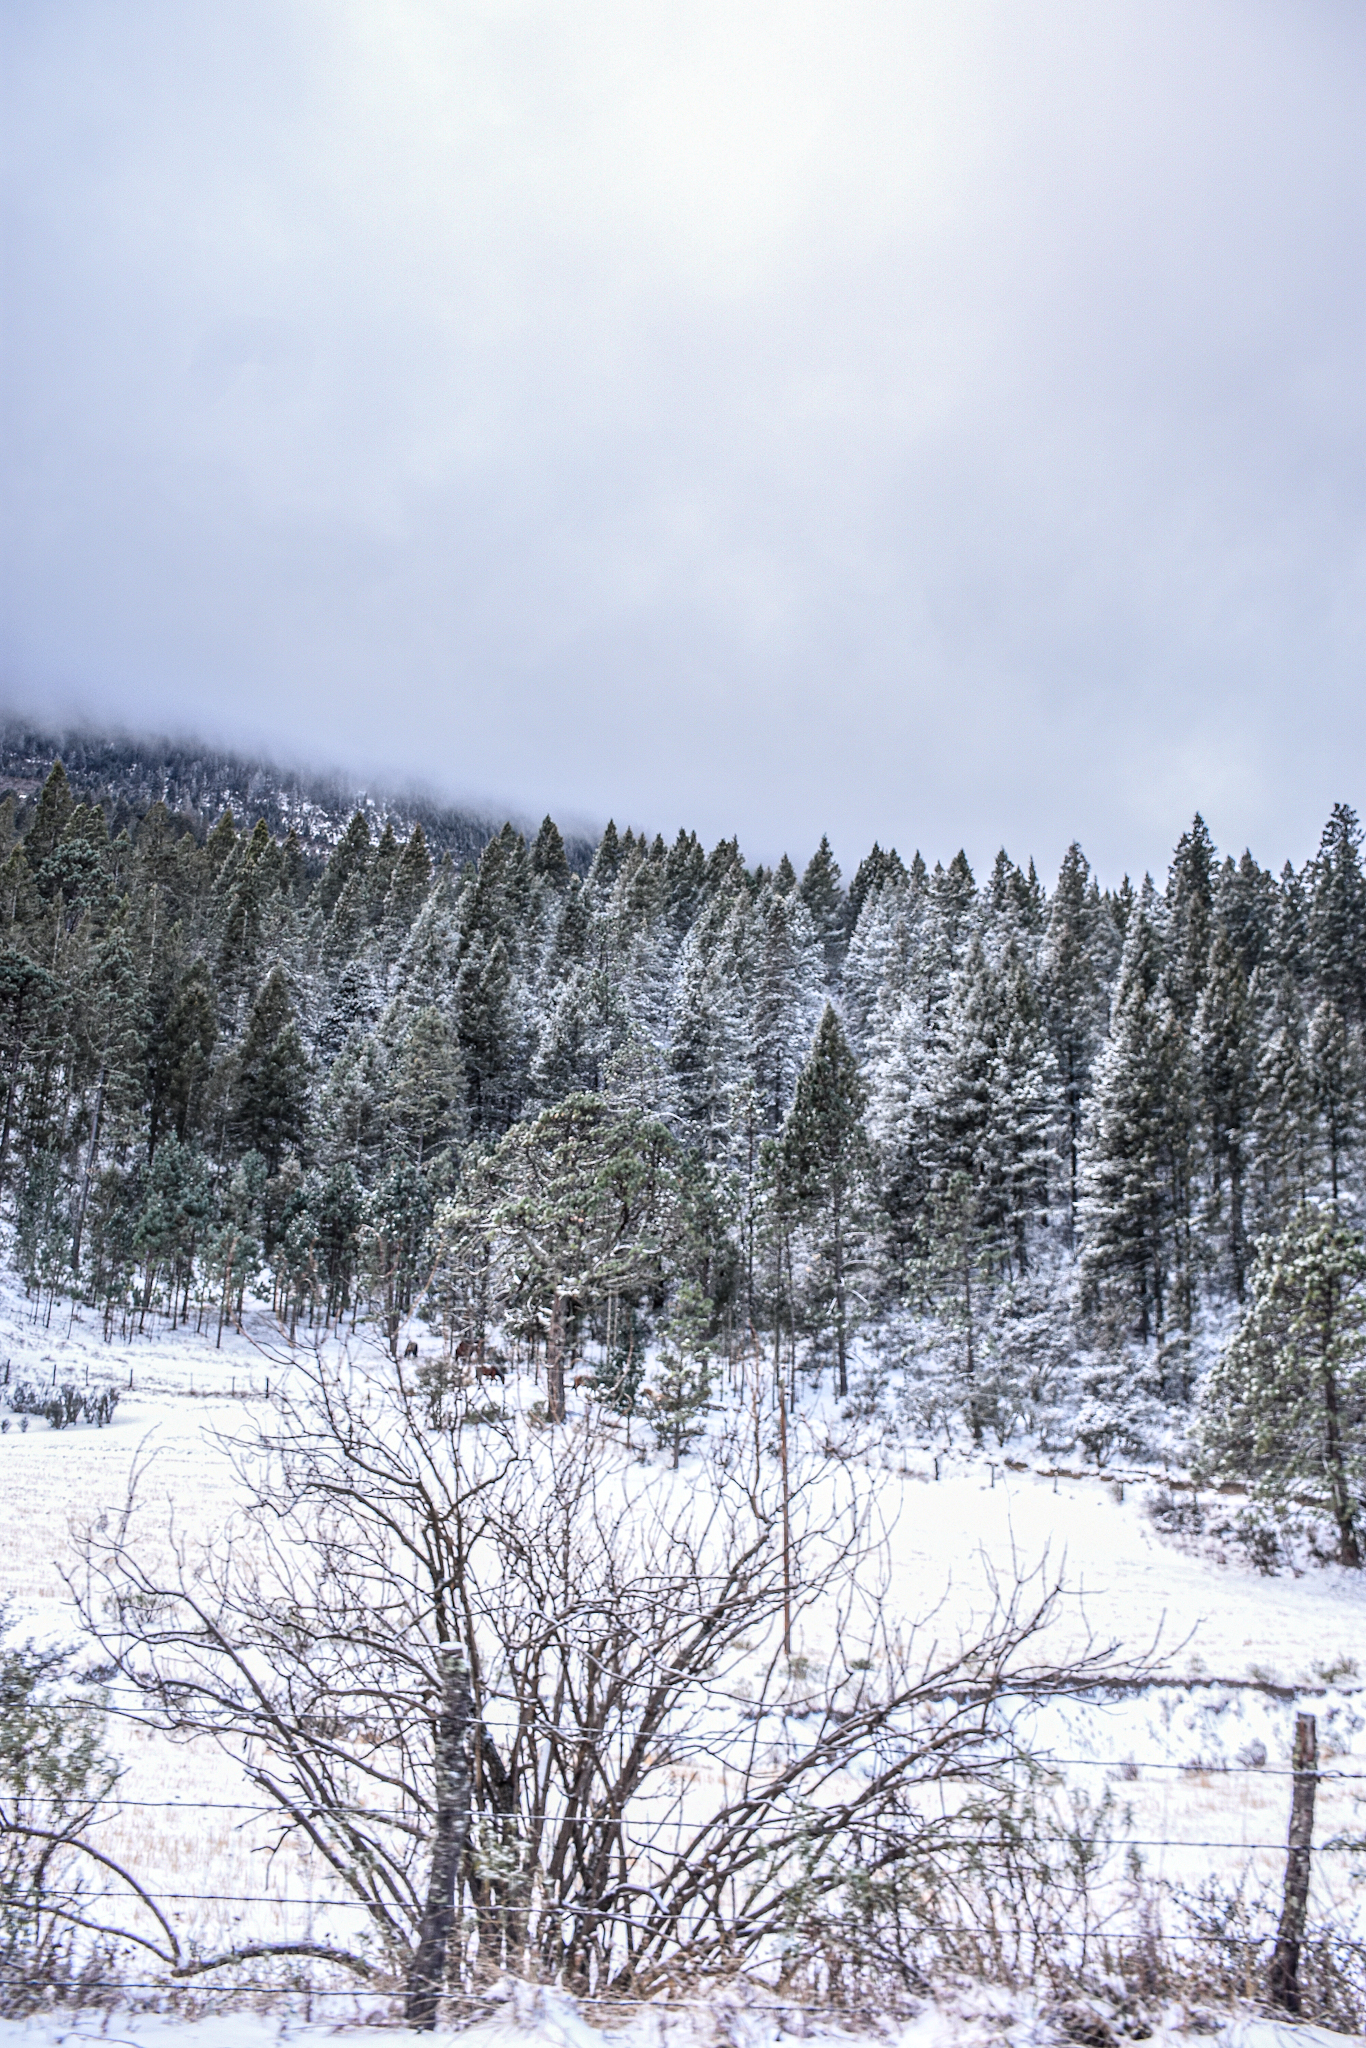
545	2021
1197	1762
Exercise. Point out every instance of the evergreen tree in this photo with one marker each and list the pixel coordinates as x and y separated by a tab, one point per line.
157	893
825	904
724	867
1190	917
680	1392
1135	1204
1337	916
990	1090
270	1091
352	1010
874	870
51	813
1245	905
548	857
425	1091
685	874
109	1054
221	845
406	895
823	1163
398	1212
1223	1031
247	924
1073	1001
348	929
179	1058
1336	1072
350	1122
707	1030
785	1004
949	909
488	1035
572	1048
1283	1109
380	875
78	872
1290	927
585	1211
1286	1405
878	966
571	944
602	876
32	1002
293	869
351	856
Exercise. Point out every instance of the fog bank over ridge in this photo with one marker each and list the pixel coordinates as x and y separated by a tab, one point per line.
923	423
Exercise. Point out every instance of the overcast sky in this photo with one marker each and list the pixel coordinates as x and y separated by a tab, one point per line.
937	423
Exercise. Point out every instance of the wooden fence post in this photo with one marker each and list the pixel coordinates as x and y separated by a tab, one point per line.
1285	1959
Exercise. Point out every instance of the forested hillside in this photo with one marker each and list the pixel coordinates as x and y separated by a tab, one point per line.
196	784
991	1157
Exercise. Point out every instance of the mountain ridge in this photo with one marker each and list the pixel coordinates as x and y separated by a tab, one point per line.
128	772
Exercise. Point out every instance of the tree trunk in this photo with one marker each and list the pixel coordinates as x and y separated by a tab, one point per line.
974	1415
787	1523
450	1829
227	1293
1349	1545
12	1082
1237	1230
841	1335
554	1362
1285	1961
89	1175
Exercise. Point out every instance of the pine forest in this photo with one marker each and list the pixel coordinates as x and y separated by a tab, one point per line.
983	1159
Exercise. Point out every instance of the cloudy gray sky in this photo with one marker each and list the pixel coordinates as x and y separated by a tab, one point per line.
933	422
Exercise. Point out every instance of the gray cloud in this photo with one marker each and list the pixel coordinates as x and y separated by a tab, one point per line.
939	423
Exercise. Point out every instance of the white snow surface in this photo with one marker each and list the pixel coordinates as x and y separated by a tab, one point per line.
544	2020
1178	1754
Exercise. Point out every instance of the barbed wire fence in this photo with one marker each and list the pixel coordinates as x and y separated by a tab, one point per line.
1282	1935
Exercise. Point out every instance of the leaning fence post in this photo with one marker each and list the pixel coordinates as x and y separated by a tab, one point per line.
1285	1959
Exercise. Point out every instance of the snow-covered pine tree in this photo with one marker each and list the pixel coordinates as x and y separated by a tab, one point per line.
825	904
351	855
1245	907
785	1003
407	892
423	1101
1225	1057
179	1058
269	1104
1335	1068
548	858
1135	1202
1190	918
823	1167
1073	1001
1283	1113
1285	1407
1337	916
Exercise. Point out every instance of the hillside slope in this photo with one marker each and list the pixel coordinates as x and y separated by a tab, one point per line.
129	773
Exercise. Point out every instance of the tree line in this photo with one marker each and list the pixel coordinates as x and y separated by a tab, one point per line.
997	1152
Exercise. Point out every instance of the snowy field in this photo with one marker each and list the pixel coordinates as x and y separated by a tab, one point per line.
543	2020
1196	1762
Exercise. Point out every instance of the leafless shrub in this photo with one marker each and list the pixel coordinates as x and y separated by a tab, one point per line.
526	1699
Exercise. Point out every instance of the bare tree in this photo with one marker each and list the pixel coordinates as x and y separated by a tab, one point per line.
518	1685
